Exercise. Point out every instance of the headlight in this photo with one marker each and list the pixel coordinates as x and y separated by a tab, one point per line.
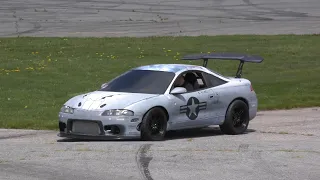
67	109
117	112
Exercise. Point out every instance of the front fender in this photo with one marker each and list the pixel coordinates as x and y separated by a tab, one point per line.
143	106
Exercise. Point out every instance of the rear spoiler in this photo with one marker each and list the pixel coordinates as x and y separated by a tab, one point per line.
225	56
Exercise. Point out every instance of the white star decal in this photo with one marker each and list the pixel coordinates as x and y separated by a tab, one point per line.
192	108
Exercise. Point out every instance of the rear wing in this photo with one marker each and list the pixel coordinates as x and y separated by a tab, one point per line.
225	56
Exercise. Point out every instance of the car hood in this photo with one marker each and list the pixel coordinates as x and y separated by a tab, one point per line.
101	100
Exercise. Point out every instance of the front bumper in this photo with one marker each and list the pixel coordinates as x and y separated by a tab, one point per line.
98	127
94	137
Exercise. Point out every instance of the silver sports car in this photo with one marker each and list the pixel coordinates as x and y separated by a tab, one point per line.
150	100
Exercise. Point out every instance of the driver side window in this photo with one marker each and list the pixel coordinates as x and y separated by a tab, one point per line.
191	80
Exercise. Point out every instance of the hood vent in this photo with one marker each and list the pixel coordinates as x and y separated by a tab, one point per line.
103	105
106	96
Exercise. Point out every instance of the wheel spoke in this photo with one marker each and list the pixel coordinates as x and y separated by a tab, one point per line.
238	118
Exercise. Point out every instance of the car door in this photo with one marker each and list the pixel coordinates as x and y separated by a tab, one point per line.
216	105
189	109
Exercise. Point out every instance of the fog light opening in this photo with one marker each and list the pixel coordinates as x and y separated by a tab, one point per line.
112	129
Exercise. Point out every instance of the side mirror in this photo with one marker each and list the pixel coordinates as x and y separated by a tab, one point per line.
178	90
104	85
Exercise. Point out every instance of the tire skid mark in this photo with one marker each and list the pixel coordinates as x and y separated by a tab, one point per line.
36	28
239	13
237	16
22	135
18	136
216	6
277	12
143	161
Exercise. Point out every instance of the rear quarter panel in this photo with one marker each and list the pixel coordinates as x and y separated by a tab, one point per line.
238	88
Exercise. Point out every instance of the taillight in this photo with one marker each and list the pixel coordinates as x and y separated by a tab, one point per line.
251	88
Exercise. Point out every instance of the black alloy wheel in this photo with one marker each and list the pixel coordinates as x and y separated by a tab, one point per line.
237	118
154	125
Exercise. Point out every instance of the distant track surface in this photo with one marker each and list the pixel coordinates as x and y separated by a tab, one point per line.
154	17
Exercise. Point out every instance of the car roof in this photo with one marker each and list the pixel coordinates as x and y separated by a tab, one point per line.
169	67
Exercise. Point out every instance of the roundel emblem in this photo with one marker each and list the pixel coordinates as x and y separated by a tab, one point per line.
193	108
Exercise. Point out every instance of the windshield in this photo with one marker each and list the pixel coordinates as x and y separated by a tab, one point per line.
141	81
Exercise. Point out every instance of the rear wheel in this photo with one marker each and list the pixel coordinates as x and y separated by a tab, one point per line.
237	118
154	125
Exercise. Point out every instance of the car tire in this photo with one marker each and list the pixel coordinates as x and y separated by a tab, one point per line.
236	119
154	125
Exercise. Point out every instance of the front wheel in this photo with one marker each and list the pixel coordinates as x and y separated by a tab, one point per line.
154	125
237	118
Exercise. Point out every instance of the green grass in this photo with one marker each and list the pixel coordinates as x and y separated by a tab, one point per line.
64	67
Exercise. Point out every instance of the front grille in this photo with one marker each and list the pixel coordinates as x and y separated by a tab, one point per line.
85	127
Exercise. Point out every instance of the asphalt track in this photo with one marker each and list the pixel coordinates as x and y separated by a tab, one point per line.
278	145
157	17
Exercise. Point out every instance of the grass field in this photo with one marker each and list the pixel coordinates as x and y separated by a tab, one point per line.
38	75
